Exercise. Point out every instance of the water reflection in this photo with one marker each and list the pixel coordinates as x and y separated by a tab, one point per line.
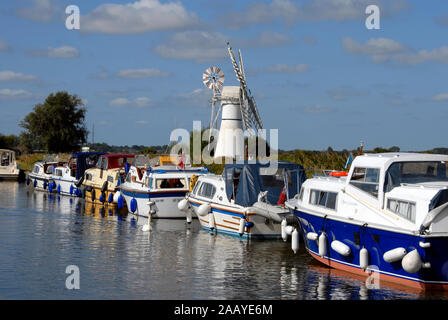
41	235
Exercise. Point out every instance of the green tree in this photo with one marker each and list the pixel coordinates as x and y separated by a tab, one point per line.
57	125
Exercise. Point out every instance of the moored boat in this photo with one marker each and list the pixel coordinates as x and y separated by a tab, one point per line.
101	182
388	216
247	200
9	169
67	180
155	190
42	172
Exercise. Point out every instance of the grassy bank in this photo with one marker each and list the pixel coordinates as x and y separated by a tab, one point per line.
26	161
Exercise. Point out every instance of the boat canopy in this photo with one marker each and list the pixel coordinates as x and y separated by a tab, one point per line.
83	161
244	181
113	161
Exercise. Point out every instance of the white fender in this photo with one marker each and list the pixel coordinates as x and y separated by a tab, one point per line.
241	226
289	230
211	221
182	205
363	258
340	248
204	209
312	236
189	218
295	240
116	196
284	235
411	262
394	255
322	244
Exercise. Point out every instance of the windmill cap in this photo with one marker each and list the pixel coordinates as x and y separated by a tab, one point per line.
230	92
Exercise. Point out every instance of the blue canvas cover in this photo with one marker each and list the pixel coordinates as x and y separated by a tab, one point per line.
245	181
81	161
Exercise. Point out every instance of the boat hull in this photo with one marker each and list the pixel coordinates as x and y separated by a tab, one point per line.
377	241
227	221
9	177
165	203
38	182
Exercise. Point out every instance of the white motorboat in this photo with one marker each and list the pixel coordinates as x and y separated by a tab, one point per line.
247	200
389	216
155	190
9	169
42	173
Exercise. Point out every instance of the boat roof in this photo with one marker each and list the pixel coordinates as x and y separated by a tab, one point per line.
86	154
385	159
118	155
7	150
279	164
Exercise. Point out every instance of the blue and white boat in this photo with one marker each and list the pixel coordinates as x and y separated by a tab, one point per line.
155	190
247	200
389	216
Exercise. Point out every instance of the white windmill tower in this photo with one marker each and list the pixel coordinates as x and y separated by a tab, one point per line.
239	110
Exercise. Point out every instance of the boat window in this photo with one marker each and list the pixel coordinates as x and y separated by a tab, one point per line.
415	172
110	179
173	183
196	187
58	173
323	198
36	169
273	179
366	179
148	182
207	190
5	157
49	170
129	177
405	209
88	176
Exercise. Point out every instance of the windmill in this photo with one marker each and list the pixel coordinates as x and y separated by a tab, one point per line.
239	110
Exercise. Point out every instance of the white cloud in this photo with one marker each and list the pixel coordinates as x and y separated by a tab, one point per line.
9	94
142	73
138	17
205	46
40	11
346	92
387	50
64	52
142	122
284	68
197	98
440	97
290	12
317	109
16	76
201	46
140	102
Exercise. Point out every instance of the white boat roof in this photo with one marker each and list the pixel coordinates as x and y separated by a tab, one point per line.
385	159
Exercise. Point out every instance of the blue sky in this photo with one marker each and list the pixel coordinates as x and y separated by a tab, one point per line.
318	74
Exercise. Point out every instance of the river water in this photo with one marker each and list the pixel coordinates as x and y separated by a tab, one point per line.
41	235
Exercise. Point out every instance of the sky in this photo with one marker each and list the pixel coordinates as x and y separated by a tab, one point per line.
318	74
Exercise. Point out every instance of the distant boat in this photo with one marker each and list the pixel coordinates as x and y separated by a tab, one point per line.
9	169
156	189
102	182
39	178
67	180
388	216
247	200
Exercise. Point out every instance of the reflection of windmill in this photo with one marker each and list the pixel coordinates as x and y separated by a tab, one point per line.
238	109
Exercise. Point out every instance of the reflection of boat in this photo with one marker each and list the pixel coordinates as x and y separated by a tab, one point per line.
42	172
247	199
99	210
9	169
101	182
390	215
158	189
67	179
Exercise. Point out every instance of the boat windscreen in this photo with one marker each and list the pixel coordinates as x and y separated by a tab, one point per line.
415	172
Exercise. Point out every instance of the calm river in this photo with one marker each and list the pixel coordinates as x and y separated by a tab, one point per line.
40	235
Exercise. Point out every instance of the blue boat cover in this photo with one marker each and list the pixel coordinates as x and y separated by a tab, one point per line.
81	161
244	181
